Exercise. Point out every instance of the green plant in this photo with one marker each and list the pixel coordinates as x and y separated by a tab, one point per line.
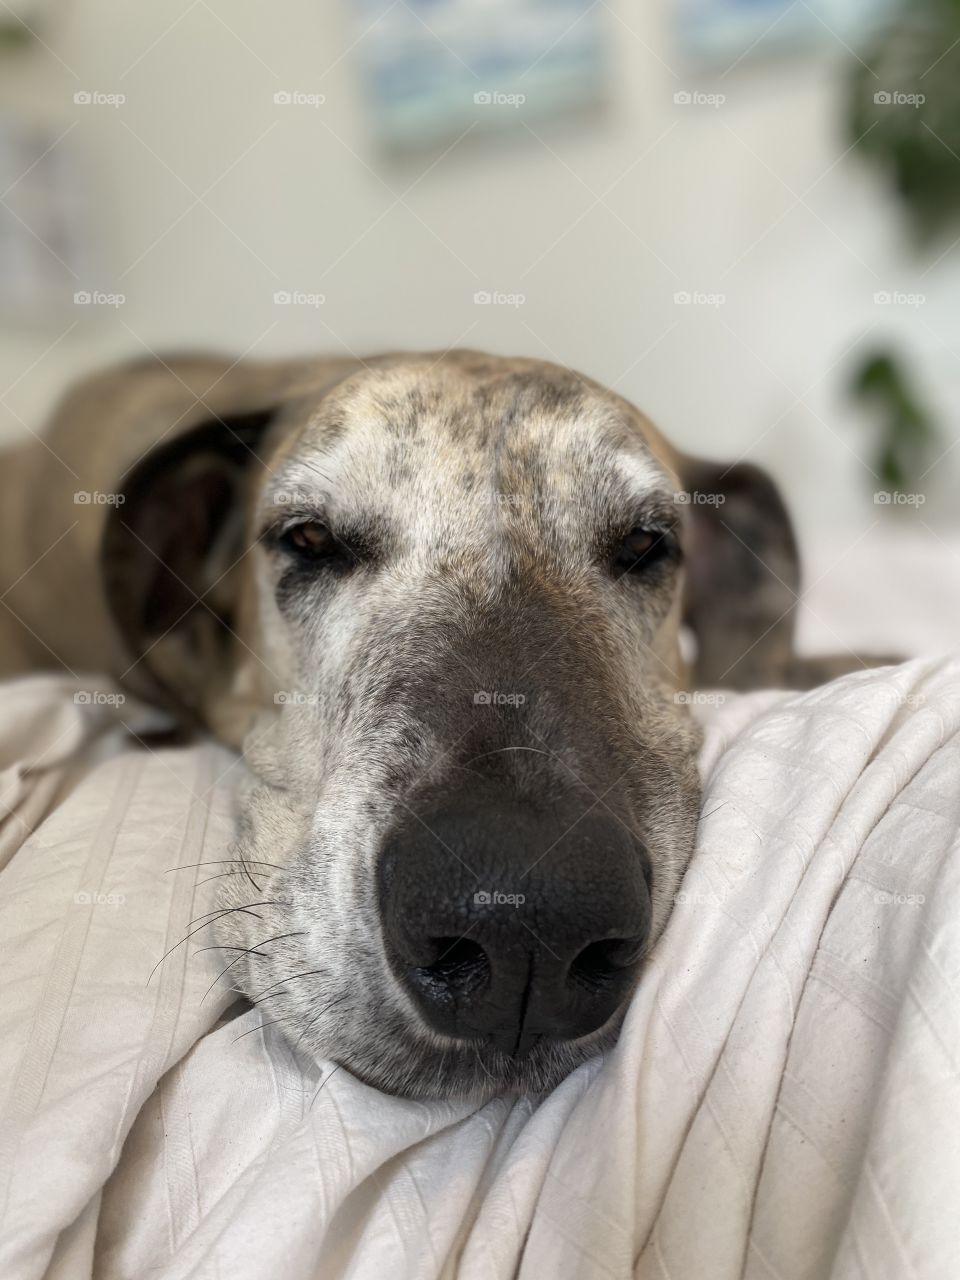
905	110
905	429
14	35
905	117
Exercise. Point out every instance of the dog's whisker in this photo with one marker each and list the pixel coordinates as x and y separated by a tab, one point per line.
482	1067
330	1074
219	862
333	1004
501	750
475	773
308	973
224	946
267	902
247	872
217	915
244	951
249	1032
311	465
277	937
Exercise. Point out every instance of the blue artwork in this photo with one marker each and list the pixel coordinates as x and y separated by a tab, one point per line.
437	67
730	29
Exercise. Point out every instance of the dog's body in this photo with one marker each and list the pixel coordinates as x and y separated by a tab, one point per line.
437	600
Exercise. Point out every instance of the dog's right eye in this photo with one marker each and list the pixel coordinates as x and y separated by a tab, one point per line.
641	550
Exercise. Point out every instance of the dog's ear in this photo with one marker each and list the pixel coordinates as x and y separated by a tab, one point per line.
172	556
743	575
743	583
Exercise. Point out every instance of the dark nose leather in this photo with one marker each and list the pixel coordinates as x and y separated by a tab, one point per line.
509	924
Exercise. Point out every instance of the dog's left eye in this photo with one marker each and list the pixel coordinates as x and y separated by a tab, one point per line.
641	549
311	540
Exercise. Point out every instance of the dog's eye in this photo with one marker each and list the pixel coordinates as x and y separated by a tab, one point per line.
641	549
309	544
311	541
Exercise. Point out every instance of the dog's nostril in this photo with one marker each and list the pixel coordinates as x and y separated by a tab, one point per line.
602	962
555	962
458	962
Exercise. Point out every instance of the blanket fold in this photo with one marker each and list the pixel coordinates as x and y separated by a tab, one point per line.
784	1099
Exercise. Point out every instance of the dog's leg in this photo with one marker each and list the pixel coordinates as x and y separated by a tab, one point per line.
807	673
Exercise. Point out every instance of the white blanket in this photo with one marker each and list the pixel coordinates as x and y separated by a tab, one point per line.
784	1100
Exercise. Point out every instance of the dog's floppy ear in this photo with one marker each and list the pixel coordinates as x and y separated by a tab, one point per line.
172	555
743	575
743	583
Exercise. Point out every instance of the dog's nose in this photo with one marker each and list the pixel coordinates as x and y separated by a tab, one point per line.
509	925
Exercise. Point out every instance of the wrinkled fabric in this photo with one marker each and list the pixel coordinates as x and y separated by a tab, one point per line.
784	1100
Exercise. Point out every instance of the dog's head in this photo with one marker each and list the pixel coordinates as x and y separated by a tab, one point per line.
440	601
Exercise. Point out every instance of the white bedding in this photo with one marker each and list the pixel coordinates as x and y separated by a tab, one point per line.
784	1100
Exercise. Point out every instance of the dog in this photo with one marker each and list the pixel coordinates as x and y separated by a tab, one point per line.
437	600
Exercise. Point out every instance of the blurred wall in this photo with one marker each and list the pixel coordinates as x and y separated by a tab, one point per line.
210	198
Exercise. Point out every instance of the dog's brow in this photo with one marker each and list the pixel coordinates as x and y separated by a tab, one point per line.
278	516
643	472
655	516
286	506
648	498
298	489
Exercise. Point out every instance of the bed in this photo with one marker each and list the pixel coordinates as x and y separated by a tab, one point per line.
784	1100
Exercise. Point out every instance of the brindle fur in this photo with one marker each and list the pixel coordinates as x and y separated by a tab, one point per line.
483	498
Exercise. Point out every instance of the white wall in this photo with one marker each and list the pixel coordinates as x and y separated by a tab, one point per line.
699	199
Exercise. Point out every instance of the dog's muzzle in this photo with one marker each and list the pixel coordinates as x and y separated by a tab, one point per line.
510	925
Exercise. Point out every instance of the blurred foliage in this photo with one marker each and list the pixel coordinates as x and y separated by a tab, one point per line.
905	110
904	425
13	35
905	116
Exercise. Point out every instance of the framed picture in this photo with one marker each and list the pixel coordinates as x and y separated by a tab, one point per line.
434	68
42	248
729	30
